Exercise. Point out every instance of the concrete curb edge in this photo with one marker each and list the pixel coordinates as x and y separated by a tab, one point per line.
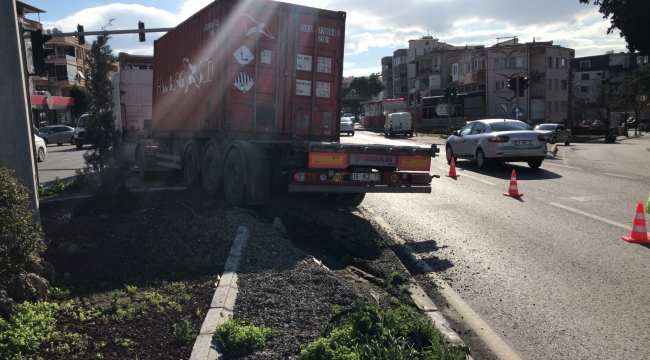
223	301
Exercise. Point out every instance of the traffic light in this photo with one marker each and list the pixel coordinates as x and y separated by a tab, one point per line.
453	92
447	92
419	95
525	83
411	99
141	27
512	84
404	101
38	52
81	38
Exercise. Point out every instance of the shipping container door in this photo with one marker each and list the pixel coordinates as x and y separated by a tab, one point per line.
318	70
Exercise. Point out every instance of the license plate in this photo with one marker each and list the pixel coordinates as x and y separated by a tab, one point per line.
365	177
523	142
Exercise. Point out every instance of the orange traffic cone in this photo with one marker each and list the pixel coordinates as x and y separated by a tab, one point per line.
513	191
452	169
639	233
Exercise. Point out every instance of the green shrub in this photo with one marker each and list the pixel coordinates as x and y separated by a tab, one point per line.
183	331
372	333
59	187
20	236
239	338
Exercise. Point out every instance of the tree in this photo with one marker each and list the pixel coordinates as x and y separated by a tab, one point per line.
101	127
81	101
639	85
631	18
367	87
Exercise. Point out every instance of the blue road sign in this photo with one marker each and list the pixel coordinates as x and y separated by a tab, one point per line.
518	112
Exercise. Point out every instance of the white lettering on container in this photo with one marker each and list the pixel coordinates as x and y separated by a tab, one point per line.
303	62
324	39
322	89
306	28
303	87
324	65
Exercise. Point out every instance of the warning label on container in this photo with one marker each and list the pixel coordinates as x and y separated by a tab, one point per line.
266	57
243	55
322	89
243	82
303	87
303	62
324	65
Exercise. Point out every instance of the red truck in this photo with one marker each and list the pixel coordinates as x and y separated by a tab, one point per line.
247	97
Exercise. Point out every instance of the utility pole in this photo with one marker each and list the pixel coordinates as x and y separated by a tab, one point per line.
16	139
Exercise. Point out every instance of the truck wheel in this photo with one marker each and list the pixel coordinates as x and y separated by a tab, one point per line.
191	166
210	173
141	160
353	199
233	179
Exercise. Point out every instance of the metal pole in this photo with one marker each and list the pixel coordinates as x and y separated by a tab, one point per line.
16	139
517	95
449	116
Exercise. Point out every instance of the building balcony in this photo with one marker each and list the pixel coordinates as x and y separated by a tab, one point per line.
62	40
61	59
429	70
61	81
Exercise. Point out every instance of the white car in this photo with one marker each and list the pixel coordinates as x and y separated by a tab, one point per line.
39	148
347	125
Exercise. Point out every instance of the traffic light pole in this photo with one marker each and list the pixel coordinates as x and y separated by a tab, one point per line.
16	139
518	84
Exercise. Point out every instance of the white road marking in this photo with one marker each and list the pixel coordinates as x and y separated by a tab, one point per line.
491	339
564	166
74	158
622	176
599	218
468	176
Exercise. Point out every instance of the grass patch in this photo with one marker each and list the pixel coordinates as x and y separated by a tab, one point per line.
60	187
34	325
368	332
182	332
239	338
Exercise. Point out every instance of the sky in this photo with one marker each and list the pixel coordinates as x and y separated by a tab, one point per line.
374	29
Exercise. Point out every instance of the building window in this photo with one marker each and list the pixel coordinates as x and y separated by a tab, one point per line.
479	63
584	89
549	107
557	106
389	79
402	74
563	105
64	92
584	76
564	84
501	86
461	66
467	66
516	62
473	88
481	87
404	89
550	85
499	63
550	61
556	63
585	64
454	69
556	84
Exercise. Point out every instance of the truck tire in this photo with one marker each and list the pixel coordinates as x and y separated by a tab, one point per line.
233	179
191	171
353	199
210	173
142	164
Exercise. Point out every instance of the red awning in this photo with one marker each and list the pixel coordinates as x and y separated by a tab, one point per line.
42	102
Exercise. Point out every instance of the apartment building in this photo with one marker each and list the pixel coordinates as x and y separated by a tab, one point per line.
595	75
387	76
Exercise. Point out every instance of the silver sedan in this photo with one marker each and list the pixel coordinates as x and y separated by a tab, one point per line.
555	133
56	134
497	140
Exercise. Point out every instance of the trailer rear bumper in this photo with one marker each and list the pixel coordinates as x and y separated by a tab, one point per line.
358	189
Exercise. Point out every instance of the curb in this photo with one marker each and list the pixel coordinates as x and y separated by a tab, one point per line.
419	296
223	301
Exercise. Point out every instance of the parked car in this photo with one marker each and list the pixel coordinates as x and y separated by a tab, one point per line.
633	122
347	125
497	140
57	134
555	133
398	123
39	148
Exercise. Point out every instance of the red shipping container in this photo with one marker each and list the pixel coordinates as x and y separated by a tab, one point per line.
250	70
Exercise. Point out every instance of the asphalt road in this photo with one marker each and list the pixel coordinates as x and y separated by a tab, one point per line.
60	161
548	272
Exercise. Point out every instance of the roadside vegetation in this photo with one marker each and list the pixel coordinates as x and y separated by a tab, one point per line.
368	332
